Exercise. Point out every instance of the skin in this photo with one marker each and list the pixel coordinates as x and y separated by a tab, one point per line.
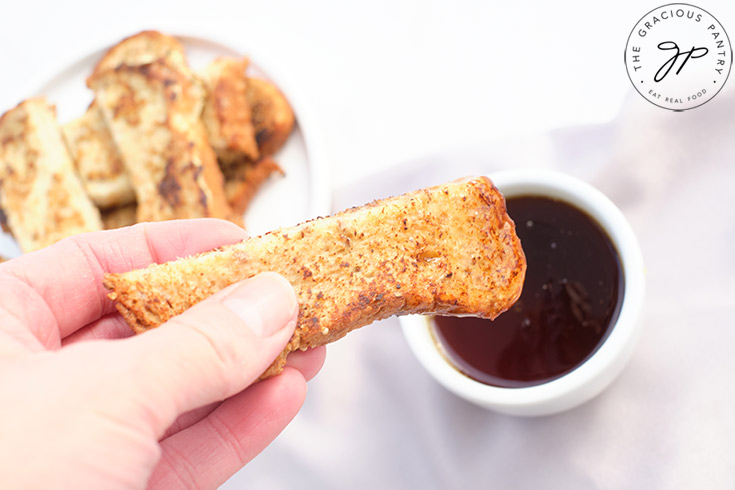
84	404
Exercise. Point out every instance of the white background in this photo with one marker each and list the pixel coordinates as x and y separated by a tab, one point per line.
393	83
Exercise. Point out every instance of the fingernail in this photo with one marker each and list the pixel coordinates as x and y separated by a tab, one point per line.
265	303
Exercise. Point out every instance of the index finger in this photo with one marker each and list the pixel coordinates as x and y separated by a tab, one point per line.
65	279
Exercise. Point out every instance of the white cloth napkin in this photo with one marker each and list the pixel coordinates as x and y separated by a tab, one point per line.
375	419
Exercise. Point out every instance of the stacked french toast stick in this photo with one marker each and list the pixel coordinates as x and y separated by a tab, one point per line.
158	142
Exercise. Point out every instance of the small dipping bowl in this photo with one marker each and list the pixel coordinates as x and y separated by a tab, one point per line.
603	365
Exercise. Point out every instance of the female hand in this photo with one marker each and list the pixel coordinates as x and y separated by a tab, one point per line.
83	404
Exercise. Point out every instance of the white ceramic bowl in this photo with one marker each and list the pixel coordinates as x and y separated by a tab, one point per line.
599	370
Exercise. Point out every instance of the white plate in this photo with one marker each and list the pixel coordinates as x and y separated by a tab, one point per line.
301	195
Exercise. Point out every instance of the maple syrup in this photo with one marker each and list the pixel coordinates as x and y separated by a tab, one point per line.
571	296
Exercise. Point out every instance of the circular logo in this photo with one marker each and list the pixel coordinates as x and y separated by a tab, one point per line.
678	56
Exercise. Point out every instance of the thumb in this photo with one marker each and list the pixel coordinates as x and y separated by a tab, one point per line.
215	349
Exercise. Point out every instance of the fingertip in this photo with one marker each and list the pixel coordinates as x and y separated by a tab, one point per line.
308	362
292	382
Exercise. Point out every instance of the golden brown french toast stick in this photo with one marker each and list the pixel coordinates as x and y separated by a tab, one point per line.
153	114
450	249
226	113
272	116
40	193
244	181
98	160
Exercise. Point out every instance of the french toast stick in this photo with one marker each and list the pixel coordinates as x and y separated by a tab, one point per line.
272	116
226	113
98	160
143	48
40	193
449	249
243	182
153	112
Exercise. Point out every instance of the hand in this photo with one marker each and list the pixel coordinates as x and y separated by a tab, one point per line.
83	404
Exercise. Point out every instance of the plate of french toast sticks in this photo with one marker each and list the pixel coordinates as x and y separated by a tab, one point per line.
152	128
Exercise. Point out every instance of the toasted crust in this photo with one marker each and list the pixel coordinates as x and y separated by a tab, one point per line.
226	112
97	160
243	182
153	111
450	249
272	116
40	193
141	49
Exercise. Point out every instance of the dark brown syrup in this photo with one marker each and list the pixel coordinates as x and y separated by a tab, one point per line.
570	298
